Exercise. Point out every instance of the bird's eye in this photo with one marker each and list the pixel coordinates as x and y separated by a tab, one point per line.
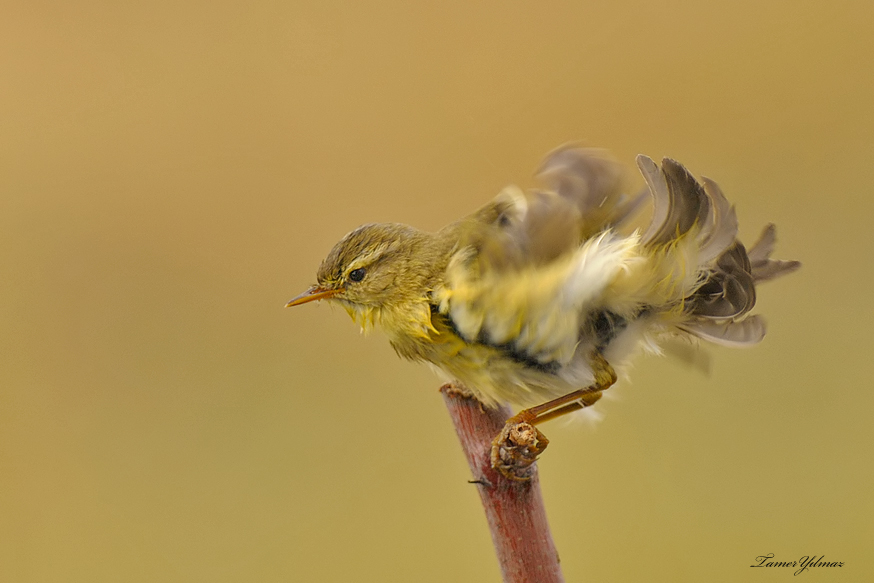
357	274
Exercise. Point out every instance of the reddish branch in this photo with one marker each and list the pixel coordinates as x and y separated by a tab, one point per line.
514	508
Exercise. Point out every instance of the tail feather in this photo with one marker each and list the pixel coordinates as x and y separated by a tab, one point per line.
729	291
679	202
763	267
744	332
720	229
717	309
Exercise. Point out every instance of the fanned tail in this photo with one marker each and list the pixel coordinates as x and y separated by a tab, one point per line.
717	309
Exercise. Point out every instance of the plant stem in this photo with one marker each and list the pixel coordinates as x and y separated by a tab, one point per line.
514	509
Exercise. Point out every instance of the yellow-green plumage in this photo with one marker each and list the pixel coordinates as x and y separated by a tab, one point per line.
515	299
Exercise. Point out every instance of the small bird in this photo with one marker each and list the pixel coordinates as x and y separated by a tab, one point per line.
535	297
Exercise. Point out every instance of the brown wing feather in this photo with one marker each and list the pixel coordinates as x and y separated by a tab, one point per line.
594	183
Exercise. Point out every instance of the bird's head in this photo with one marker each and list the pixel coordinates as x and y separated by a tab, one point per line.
374	267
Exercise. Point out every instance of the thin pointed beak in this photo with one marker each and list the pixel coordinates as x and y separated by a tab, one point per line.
313	294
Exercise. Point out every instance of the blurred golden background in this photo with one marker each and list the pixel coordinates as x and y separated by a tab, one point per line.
172	173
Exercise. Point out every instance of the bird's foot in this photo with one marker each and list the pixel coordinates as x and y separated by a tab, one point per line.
516	448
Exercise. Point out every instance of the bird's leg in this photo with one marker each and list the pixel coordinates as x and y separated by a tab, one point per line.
520	442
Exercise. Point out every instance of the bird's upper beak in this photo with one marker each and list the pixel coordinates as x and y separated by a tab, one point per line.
314	293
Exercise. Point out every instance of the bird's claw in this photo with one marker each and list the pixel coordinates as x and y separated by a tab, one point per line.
516	448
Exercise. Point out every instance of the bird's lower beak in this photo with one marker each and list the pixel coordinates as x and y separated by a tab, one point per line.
312	294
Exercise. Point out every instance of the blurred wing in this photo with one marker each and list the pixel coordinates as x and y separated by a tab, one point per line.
523	230
534	313
584	198
592	182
